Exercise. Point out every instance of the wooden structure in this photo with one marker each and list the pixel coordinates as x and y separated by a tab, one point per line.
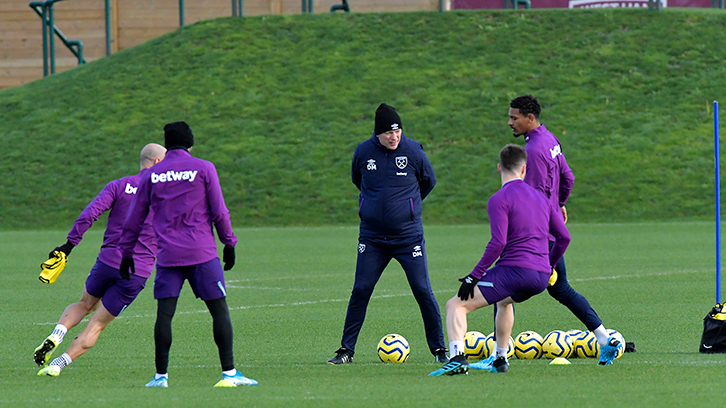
132	22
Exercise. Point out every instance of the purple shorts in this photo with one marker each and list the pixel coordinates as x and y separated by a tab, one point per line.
206	280
115	292
501	282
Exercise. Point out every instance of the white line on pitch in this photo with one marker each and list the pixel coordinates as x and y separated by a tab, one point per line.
312	302
632	276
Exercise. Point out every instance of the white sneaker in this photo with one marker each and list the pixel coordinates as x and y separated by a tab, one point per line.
158	382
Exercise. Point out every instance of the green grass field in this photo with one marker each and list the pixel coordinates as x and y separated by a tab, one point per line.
288	293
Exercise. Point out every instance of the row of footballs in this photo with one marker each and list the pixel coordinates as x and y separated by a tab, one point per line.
530	345
393	348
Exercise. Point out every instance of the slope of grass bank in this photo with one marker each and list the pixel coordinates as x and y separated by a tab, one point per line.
278	103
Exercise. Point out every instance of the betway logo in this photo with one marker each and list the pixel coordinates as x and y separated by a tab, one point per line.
130	189
172	175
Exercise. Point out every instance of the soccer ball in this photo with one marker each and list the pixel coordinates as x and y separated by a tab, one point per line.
557	344
621	339
586	345
528	345
490	346
574	333
393	348
474	342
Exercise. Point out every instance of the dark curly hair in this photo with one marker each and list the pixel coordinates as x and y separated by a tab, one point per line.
526	104
511	156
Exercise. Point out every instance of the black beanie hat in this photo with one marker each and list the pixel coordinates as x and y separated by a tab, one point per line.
387	119
178	134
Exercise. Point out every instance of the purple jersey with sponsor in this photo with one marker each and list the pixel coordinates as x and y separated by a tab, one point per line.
521	221
547	169
117	197
184	194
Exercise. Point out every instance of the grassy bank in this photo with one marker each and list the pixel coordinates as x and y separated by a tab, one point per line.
278	103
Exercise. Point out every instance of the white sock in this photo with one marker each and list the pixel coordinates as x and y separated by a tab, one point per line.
602	335
158	376
60	331
230	373
456	348
501	352
62	361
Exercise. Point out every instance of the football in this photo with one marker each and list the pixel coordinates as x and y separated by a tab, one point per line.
474	342
557	344
393	348
574	333
528	345
490	346
586	345
621	339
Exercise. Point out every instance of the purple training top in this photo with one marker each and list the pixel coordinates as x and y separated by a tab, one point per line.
117	196
185	196
547	169
522	220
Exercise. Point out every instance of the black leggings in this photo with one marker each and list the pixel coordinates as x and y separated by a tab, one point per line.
222	329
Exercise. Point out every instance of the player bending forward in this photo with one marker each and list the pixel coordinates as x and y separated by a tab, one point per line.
104	282
521	221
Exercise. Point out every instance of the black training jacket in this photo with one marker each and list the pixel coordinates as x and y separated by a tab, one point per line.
392	184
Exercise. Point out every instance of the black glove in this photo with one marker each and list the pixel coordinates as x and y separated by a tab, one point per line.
65	248
127	264
228	257
466	290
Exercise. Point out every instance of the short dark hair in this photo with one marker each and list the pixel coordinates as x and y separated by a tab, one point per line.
526	104
511	156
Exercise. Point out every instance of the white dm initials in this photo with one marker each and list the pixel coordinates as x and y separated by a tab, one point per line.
417	251
555	151
172	175
130	189
371	164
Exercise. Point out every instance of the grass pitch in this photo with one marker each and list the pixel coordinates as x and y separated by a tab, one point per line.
288	293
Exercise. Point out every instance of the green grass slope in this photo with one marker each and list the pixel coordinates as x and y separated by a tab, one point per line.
278	103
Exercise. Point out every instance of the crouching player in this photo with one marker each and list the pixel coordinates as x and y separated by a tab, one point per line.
521	221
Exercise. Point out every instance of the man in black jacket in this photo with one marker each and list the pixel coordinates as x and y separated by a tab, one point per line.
393	175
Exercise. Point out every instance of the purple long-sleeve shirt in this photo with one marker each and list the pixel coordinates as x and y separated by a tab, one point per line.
521	221
117	197
186	198
547	169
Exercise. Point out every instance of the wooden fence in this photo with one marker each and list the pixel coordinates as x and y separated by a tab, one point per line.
132	22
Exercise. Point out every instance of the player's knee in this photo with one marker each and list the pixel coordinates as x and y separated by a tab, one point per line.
362	291
452	304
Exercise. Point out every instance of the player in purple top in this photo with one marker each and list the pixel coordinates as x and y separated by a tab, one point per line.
548	173
185	196
104	282
521	221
